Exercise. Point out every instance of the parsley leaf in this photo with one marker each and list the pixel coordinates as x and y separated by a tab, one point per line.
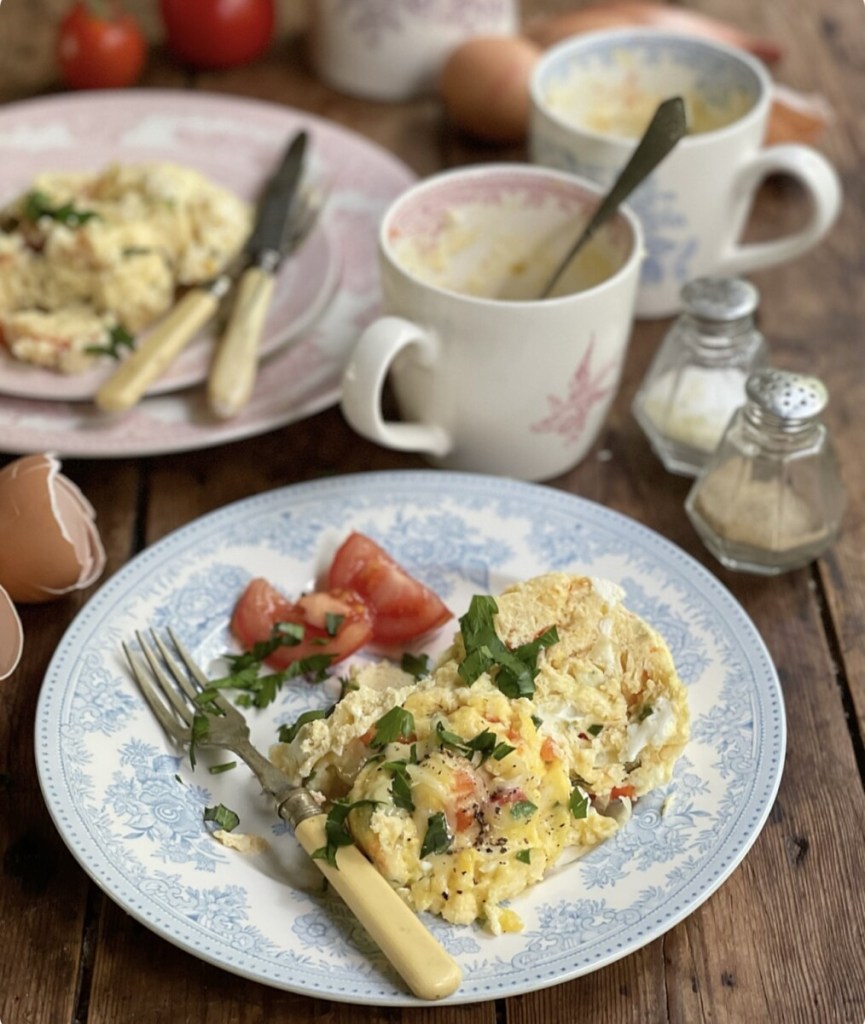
37	204
394	725
523	809
226	766
578	804
525	856
486	744
437	838
118	339
416	665
287	732
512	671
198	733
223	816
400	788
336	829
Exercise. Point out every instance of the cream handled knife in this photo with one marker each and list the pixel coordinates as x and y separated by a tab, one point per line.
128	384
277	232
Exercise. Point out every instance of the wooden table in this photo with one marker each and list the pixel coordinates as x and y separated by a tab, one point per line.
782	940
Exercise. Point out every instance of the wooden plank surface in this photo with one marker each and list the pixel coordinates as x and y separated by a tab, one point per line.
782	940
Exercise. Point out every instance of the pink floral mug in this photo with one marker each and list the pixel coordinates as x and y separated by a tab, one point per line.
488	377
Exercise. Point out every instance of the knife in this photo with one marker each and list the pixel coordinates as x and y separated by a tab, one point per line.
166	341
277	233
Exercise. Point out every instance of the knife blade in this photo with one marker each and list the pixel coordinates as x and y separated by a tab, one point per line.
235	363
166	341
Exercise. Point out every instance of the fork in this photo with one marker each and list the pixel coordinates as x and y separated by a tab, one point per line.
232	373
173	691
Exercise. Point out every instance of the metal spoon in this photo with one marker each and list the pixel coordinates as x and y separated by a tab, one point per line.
667	126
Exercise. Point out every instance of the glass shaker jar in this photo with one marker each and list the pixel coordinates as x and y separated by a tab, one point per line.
697	378
771	498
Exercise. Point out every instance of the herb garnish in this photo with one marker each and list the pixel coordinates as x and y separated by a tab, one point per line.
578	804
287	732
525	856
396	724
416	665
645	711
118	339
198	732
513	671
226	766
400	788
486	744
438	837
37	204
224	817
336	829
523	809
261	690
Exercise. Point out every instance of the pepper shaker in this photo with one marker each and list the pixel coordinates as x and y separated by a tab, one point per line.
697	378
771	498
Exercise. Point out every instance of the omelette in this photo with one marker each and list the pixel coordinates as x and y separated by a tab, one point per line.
553	710
87	258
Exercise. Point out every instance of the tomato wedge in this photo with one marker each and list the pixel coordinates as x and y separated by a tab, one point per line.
335	623
402	607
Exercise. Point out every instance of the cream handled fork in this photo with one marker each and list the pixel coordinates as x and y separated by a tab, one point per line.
173	692
234	366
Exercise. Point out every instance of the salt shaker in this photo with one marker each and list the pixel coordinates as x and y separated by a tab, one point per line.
697	378
771	498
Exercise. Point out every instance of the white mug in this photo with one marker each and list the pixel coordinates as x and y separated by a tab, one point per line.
395	50
488	377
592	96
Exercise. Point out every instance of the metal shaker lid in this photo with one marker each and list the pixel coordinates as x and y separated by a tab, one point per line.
720	299
789	396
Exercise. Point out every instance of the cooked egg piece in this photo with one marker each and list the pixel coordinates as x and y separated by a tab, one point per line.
51	545
11	635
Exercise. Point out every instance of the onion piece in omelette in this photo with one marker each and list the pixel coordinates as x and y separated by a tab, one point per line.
478	793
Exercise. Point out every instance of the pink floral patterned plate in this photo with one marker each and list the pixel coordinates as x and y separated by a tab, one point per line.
325	298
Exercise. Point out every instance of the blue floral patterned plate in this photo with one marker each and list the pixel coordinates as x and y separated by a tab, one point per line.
130	809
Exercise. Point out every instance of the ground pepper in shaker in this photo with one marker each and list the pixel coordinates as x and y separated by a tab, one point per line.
697	378
771	498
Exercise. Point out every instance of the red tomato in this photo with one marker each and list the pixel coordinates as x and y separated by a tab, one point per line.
217	33
402	607
261	607
100	50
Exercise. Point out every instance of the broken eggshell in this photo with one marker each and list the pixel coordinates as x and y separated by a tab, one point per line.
11	636
50	544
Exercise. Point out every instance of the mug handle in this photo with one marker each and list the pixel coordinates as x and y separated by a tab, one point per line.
363	383
821	182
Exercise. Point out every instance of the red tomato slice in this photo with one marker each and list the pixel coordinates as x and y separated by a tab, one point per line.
402	607
261	607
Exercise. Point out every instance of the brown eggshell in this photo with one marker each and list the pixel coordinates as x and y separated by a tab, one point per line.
11	636
50	544
484	86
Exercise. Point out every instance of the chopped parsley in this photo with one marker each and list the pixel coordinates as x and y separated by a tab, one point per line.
595	730
437	838
645	711
336	829
578	804
198	733
287	732
400	787
118	339
396	724
223	816
523	809
513	671
486	744
226	766
259	689
525	856
416	665
37	204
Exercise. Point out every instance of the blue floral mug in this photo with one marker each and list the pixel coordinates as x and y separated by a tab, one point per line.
594	94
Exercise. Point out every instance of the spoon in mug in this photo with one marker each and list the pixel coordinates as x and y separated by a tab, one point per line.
667	126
